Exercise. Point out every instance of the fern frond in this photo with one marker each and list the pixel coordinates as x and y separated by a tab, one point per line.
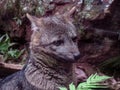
93	82
96	78
72	86
62	88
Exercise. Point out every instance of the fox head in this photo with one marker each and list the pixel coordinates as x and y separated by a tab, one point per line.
56	36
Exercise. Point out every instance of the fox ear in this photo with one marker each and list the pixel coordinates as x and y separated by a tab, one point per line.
34	20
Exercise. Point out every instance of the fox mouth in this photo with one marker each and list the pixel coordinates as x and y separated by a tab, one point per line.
64	58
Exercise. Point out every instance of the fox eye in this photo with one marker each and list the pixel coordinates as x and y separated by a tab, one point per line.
74	39
58	42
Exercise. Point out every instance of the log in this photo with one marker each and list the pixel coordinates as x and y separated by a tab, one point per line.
8	69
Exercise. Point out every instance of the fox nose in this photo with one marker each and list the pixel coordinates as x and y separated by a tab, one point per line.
77	56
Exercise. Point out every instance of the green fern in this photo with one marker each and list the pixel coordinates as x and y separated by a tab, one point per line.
5	43
93	82
72	86
15	53
6	48
62	88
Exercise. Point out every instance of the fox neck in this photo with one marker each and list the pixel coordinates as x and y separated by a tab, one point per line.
44	71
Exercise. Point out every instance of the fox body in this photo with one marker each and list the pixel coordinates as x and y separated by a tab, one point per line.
53	48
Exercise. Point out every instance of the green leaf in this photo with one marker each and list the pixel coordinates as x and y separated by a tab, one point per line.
11	44
7	38
72	86
15	53
1	38
62	88
93	82
6	48
4	44
95	78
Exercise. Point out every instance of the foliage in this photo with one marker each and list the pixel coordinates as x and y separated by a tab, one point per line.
20	7
93	82
6	48
18	21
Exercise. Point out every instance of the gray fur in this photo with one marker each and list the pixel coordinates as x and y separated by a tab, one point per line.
49	66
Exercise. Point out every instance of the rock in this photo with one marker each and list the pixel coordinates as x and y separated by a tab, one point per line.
61	1
95	9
